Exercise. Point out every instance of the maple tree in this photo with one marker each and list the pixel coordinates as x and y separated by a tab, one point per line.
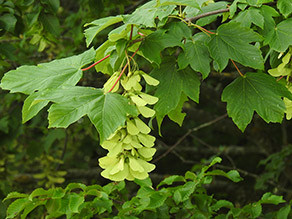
176	38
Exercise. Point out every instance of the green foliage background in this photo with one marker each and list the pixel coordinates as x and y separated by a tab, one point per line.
31	155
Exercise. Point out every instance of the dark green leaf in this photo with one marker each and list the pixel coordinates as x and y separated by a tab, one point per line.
8	22
161	39
53	5
51	23
232	41
249	16
210	7
280	37
255	92
176	114
196	55
172	84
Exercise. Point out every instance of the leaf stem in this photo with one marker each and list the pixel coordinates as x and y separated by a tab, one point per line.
203	29
122	72
131	33
237	68
89	67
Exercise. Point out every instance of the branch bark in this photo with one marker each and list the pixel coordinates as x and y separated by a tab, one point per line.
192	19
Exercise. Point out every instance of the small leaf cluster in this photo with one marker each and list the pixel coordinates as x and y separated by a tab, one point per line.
175	196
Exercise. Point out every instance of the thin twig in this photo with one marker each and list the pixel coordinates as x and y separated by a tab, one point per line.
204	125
131	33
64	148
122	72
207	14
84	69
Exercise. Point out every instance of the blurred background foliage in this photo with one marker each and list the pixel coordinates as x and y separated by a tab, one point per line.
36	31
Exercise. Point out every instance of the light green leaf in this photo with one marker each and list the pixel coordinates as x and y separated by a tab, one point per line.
190	3
99	25
106	111
150	80
221	204
280	37
119	33
232	41
16	207
147	152
170	180
72	186
31	107
269	198
66	71
37	192
14	195
255	92
288	104
143	128
284	212
101	52
285	7
75	201
30	207
147	13
232	174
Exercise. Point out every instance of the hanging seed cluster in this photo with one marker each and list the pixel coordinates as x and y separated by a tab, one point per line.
130	148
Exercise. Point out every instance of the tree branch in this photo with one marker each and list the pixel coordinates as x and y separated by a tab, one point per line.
192	19
204	125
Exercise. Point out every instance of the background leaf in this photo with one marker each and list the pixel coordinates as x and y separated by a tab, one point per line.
255	92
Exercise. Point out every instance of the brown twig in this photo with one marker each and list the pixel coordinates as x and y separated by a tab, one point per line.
207	14
204	125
